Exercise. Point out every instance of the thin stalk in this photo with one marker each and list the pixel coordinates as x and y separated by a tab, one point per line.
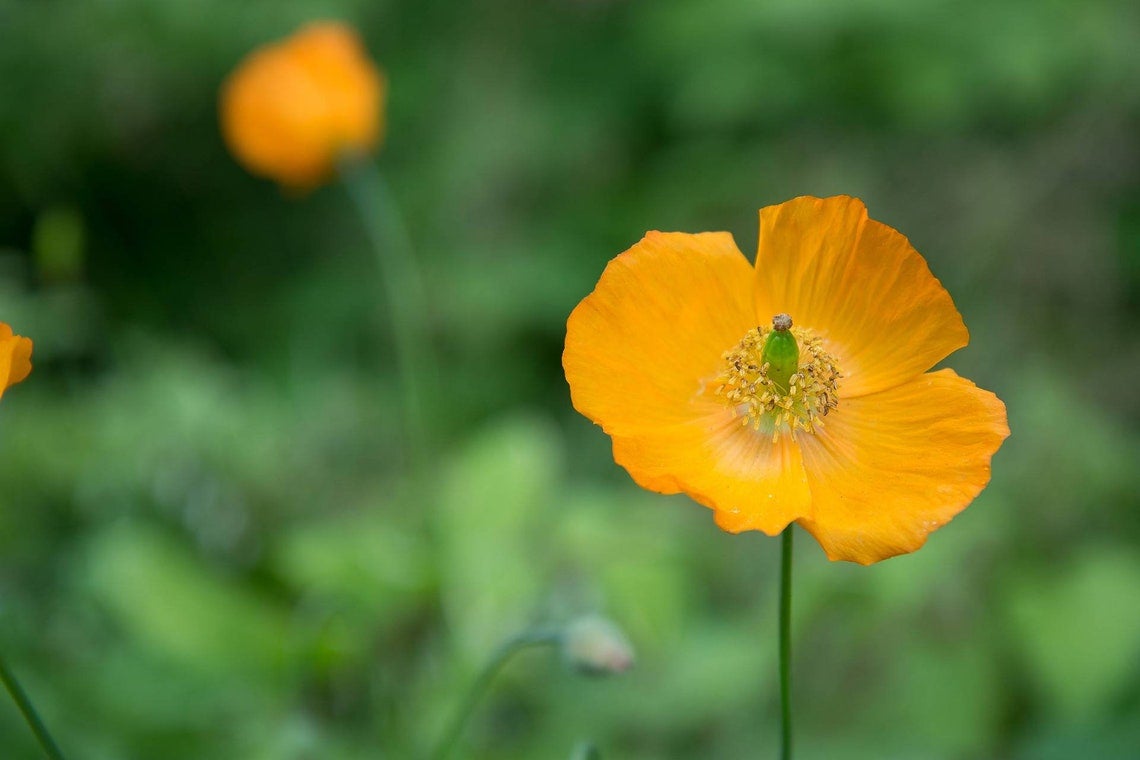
786	643
537	637
384	225
31	717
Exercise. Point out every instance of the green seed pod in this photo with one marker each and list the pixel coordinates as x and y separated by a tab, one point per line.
781	353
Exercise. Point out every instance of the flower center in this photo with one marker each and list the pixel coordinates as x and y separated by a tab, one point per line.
779	380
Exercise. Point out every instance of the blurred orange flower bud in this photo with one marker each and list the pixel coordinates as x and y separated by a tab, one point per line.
291	108
15	357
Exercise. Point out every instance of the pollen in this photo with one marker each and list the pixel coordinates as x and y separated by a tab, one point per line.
748	386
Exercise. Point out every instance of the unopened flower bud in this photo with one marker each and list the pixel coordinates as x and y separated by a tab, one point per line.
595	646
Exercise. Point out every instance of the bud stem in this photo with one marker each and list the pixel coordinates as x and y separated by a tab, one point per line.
31	717
511	647
384	226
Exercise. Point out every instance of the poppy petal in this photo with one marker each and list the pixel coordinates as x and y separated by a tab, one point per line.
15	357
656	326
891	467
640	351
750	481
860	286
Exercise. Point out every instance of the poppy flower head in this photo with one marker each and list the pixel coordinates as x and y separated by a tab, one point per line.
291	108
795	390
15	358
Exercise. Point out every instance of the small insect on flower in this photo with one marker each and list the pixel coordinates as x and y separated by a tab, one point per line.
714	378
15	358
292	108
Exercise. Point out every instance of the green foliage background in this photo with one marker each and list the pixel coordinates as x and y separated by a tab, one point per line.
209	547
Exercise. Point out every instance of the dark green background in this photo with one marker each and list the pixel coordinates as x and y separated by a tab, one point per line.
209	547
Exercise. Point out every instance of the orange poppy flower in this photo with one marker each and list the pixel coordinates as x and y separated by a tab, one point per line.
291	108
795	390
15	358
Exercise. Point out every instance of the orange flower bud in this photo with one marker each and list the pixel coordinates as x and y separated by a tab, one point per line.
15	357
291	108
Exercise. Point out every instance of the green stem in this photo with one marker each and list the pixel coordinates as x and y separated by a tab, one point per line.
786	643
536	637
380	216
31	717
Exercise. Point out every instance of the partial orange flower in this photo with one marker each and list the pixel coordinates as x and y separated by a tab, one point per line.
795	390
15	358
291	108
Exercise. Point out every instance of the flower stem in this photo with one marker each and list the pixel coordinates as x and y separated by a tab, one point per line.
532	638
31	717
384	226
786	643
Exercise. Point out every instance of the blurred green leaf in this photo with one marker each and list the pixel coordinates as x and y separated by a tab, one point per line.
498	496
182	609
57	243
1077	628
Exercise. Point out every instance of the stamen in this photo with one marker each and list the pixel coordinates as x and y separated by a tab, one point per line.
780	380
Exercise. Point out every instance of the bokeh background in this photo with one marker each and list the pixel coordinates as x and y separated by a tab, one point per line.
210	545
